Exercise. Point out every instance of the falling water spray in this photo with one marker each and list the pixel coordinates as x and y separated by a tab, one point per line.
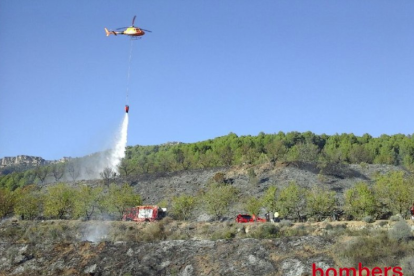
118	151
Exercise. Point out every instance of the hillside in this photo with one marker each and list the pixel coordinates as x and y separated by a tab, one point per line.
154	189
185	248
202	246
207	244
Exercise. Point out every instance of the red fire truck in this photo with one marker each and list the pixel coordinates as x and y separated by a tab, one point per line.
144	213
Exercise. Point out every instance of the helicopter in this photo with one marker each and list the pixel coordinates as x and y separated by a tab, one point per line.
131	31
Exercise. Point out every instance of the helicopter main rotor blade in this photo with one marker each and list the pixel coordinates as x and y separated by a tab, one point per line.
133	20
146	30
123	28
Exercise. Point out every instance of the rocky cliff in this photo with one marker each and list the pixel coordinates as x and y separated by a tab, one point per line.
22	160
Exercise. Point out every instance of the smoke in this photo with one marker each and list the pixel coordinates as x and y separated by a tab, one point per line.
91	166
94	232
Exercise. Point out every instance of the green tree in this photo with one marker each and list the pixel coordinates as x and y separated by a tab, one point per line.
320	202
218	199
29	202
59	201
252	177
269	199
360	201
394	193
87	201
359	154
42	172
307	152
275	150
225	154
28	178
253	206
7	202
291	201
183	206
119	198
126	167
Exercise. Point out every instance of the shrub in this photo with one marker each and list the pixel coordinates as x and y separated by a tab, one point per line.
372	250
400	231
407	265
382	223
285	223
265	231
224	234
222	231
368	219
154	231
396	218
183	206
219	178
328	226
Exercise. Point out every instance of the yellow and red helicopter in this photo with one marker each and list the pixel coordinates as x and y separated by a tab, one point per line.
130	31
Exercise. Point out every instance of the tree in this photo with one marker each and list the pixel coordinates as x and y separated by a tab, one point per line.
252	177
225	154
208	159
320	202
275	150
29	202
73	169
307	152
87	201
119	198
179	158
291	201
269	199
182	206
218	198
58	170
253	206
7	202
125	167
28	178
107	175
42	172
359	153
59	201
360	201
394	193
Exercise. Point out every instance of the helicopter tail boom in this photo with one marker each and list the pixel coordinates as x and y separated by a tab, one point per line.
108	33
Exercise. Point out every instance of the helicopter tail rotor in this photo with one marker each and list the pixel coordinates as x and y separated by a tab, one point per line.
108	33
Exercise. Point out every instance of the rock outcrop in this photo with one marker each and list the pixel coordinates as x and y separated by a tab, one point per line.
22	160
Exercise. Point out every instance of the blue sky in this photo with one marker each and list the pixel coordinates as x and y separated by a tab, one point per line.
207	69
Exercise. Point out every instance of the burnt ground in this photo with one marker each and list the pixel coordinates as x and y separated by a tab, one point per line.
196	247
155	188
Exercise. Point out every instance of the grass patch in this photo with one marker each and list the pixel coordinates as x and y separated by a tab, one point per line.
376	249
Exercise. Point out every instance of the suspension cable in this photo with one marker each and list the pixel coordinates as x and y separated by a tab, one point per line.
129	68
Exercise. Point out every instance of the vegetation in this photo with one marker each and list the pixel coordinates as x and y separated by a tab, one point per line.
390	193
375	248
360	201
182	206
218	198
328	151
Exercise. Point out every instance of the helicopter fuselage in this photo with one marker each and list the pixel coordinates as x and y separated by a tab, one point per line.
133	31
